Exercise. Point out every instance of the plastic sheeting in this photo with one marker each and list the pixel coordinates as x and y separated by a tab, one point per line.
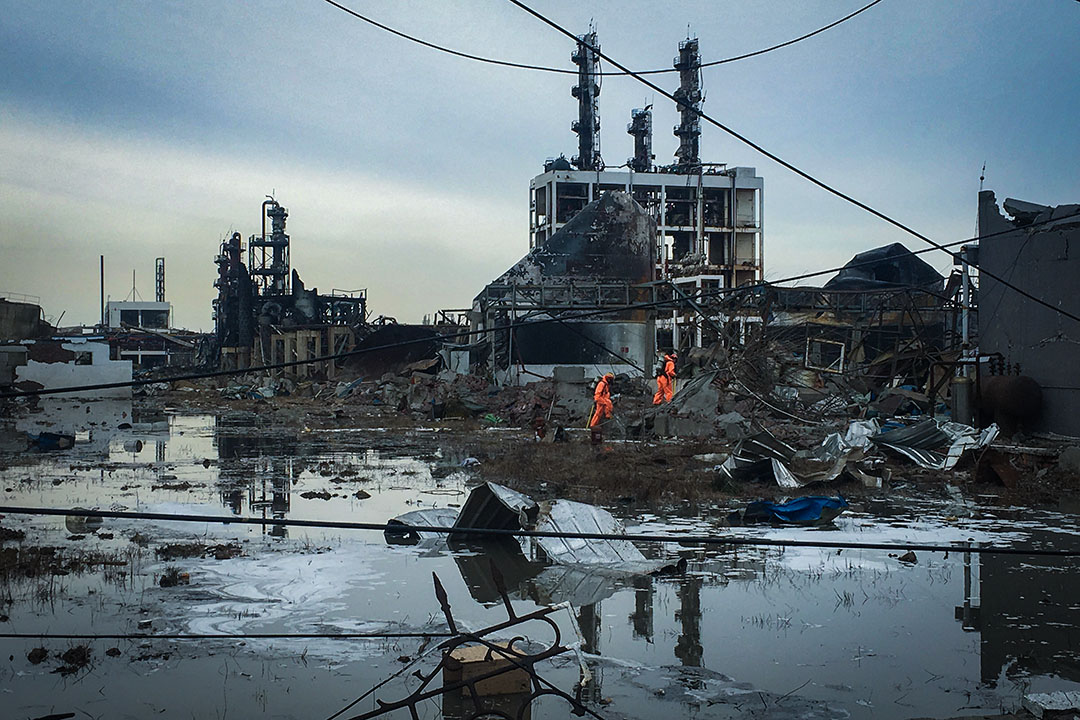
809	510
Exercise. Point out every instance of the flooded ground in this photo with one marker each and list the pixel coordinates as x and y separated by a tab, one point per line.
771	632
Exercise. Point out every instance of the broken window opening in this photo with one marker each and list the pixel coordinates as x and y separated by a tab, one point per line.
570	198
157	319
824	355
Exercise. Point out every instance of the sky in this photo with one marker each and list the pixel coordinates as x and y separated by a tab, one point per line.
138	129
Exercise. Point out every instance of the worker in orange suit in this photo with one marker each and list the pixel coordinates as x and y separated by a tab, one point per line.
602	407
665	380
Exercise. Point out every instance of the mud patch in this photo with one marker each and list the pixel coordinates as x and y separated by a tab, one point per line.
75	659
177	551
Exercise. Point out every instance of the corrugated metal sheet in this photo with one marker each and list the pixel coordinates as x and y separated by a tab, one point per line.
431	517
568	516
936	445
496	507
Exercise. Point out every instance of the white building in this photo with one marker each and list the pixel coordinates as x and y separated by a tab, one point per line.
138	314
695	226
702	245
147	349
73	362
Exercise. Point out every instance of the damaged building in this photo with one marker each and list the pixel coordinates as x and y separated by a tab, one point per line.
1036	249
264	314
602	259
21	318
51	363
886	319
706	234
142	330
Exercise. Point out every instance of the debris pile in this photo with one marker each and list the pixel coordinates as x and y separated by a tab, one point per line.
491	508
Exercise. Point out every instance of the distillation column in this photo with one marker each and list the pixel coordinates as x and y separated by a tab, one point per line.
587	126
688	97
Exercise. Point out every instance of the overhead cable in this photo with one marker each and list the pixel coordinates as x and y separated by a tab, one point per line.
687	539
225	636
566	71
784	163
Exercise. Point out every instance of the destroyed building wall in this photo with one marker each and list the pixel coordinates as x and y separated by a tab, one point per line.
72	363
21	321
593	262
1036	249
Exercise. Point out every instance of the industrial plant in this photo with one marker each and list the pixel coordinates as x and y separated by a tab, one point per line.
635	473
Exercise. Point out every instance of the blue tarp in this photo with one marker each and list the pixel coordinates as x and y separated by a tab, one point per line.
807	510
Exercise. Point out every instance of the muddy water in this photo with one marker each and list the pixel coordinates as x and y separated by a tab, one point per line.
795	633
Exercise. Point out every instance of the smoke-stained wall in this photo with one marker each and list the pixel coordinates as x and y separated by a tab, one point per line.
1037	250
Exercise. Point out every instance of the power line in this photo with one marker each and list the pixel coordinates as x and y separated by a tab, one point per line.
710	540
565	71
833	24
225	636
510	326
784	163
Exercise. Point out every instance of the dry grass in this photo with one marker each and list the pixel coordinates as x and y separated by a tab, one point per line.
37	572
177	551
626	472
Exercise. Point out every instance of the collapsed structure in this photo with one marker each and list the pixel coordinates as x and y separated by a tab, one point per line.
886	315
599	261
265	315
706	234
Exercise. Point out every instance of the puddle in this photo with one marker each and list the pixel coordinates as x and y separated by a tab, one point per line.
779	633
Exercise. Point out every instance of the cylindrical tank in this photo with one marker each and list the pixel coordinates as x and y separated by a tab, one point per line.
963	400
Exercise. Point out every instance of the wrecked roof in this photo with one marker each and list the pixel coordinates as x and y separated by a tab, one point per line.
405	532
492	506
611	238
935	445
568	516
887	266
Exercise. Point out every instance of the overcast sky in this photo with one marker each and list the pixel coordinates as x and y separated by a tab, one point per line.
138	129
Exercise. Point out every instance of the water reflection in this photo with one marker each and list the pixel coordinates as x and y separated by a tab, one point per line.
857	625
642	618
92	425
1024	610
266	484
688	648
